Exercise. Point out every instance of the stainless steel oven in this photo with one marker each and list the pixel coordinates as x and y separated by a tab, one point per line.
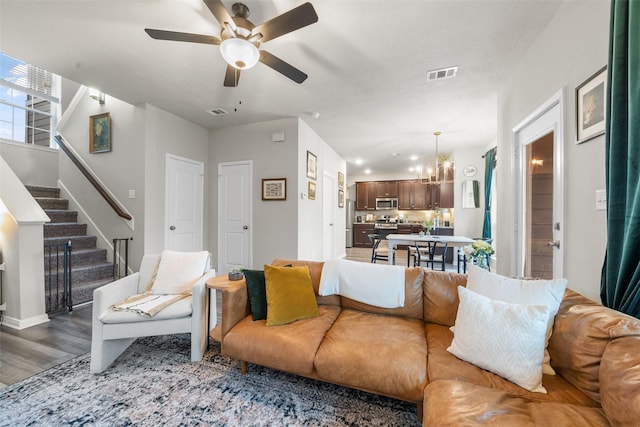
387	203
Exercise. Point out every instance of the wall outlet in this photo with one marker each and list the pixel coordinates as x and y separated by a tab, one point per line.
601	200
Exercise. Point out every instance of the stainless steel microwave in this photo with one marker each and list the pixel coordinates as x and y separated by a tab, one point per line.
386	203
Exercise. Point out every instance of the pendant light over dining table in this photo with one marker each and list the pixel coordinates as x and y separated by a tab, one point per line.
438	172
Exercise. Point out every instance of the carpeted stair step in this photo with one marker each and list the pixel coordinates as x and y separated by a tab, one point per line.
80	257
61	229
61	215
52	203
85	273
83	292
41	191
77	242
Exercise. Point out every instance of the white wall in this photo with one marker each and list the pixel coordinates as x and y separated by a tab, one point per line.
33	164
275	223
310	236
468	221
165	134
573	46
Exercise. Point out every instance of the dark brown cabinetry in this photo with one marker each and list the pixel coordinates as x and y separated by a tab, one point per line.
412	195
366	196
361	235
387	189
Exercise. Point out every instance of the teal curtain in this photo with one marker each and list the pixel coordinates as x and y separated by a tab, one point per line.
620	284
489	165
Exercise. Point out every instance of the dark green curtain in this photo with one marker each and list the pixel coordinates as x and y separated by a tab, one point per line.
489	165
620	285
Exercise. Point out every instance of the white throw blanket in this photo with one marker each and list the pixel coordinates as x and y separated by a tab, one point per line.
147	305
374	284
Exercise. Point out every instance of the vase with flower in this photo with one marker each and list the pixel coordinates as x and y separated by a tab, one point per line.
479	253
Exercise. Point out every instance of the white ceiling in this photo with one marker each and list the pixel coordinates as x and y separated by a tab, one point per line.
366	60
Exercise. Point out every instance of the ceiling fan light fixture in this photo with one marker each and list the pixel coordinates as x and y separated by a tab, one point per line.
239	53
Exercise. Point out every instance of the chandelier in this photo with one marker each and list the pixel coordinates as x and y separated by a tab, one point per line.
440	171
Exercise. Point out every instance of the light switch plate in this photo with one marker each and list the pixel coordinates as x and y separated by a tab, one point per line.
601	200
132	194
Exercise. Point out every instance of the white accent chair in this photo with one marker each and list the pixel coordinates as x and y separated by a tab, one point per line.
114	331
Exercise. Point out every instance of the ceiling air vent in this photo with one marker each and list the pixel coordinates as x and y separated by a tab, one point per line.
217	111
444	73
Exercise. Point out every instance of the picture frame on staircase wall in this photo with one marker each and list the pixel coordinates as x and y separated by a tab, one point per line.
100	133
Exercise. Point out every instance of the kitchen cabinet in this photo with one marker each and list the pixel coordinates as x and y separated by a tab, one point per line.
366	195
446	195
413	195
361	235
388	189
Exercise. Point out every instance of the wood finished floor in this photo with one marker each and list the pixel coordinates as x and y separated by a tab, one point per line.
26	352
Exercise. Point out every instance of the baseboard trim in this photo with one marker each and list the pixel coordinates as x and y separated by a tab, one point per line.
13	323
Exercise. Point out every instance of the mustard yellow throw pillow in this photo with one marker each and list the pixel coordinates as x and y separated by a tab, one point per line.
290	295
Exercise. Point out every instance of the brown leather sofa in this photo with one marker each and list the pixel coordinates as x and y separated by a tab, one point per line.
402	353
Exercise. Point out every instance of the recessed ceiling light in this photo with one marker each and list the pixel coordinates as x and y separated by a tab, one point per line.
414	158
358	162
367	171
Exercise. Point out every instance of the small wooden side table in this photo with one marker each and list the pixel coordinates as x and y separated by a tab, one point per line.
214	284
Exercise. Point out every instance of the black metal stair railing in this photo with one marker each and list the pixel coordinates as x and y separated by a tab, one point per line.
121	257
57	273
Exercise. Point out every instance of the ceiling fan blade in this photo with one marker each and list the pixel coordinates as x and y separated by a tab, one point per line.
182	37
231	77
220	12
282	67
292	20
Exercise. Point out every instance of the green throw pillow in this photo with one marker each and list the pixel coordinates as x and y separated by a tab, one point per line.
290	295
257	293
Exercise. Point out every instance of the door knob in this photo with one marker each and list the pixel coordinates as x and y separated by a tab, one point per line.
173	227
246	227
554	244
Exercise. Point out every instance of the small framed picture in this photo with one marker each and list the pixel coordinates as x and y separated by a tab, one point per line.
274	189
341	198
312	165
590	106
100	133
312	190
340	180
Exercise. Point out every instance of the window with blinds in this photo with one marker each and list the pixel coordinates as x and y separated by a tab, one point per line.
28	105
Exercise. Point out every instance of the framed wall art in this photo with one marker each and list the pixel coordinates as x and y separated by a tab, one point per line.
312	190
340	180
341	198
312	165
590	106
274	189
100	133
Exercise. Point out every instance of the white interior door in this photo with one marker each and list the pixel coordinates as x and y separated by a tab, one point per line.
184	204
234	215
540	192
328	213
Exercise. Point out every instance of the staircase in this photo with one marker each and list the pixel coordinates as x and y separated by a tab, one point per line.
89	266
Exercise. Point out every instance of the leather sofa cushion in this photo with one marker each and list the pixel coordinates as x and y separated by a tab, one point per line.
581	332
180	308
457	403
315	270
383	354
289	347
620	381
443	365
412	298
441	296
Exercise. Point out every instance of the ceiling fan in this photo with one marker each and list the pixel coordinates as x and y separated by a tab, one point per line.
240	39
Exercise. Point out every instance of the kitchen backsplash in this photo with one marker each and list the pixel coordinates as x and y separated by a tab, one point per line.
447	215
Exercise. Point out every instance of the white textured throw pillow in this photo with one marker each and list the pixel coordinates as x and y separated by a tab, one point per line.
520	291
507	339
179	271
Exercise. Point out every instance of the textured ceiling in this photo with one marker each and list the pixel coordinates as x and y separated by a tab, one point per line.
366	61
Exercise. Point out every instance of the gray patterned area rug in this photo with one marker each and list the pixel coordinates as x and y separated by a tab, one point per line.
155	383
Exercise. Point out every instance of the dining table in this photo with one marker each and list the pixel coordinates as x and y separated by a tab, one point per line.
411	239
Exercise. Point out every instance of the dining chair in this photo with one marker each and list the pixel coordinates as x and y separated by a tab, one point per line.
378	252
432	253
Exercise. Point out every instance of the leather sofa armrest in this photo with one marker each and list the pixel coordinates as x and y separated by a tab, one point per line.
619	380
235	306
